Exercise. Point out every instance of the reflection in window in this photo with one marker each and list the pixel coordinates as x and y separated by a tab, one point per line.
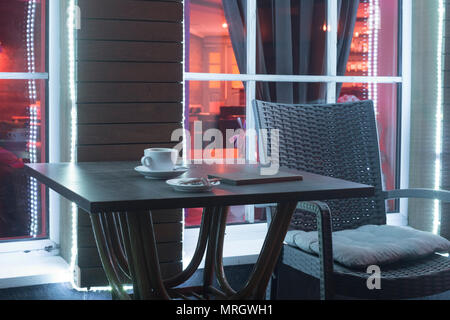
208	36
216	105
386	115
22	115
373	53
22	40
291	39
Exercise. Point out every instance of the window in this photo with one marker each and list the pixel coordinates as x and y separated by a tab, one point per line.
292	52
23	88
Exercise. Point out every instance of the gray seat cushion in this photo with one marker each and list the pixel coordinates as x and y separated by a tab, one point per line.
373	244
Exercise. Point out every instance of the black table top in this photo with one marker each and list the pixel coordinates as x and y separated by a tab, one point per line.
115	186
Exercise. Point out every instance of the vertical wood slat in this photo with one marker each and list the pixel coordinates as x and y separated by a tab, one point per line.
129	94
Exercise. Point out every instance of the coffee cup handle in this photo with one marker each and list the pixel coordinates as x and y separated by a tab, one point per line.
147	162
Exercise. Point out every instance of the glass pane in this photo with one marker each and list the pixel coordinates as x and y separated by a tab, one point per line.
219	105
215	36
291	37
216	105
374	47
22	140
384	97
22	40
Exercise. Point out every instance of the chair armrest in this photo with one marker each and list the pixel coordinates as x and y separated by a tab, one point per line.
324	232
441	195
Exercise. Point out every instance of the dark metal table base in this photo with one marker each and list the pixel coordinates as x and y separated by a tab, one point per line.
127	247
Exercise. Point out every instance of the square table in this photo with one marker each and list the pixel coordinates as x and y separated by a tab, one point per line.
119	201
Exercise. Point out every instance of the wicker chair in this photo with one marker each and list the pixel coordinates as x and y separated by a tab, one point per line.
340	140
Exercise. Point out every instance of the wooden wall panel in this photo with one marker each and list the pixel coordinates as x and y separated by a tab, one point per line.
167	252
90	134
95	277
129	113
129	51
133	10
129	71
130	30
158	216
129	92
116	152
129	98
164	233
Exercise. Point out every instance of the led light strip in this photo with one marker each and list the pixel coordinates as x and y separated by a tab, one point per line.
34	114
71	23
374	25
439	115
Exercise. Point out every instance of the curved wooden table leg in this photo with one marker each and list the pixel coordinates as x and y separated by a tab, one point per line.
220	235
134	239
122	219
114	246
138	239
259	278
145	256
199	251
208	271
107	258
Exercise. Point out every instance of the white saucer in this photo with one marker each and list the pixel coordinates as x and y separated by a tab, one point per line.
175	184
161	175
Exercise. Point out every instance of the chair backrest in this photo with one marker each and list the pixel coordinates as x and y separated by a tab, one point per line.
335	140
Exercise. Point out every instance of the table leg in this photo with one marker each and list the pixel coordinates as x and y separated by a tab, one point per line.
260	276
208	271
107	257
122	219
127	247
220	235
135	242
203	235
145	256
115	246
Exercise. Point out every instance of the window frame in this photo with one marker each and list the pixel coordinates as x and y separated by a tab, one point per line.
32	244
402	80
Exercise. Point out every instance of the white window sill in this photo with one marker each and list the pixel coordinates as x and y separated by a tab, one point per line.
20	269
242	244
17	269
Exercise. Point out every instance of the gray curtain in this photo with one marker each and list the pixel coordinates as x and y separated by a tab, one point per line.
291	41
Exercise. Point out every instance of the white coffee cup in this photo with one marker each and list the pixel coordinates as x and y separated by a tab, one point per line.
160	159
